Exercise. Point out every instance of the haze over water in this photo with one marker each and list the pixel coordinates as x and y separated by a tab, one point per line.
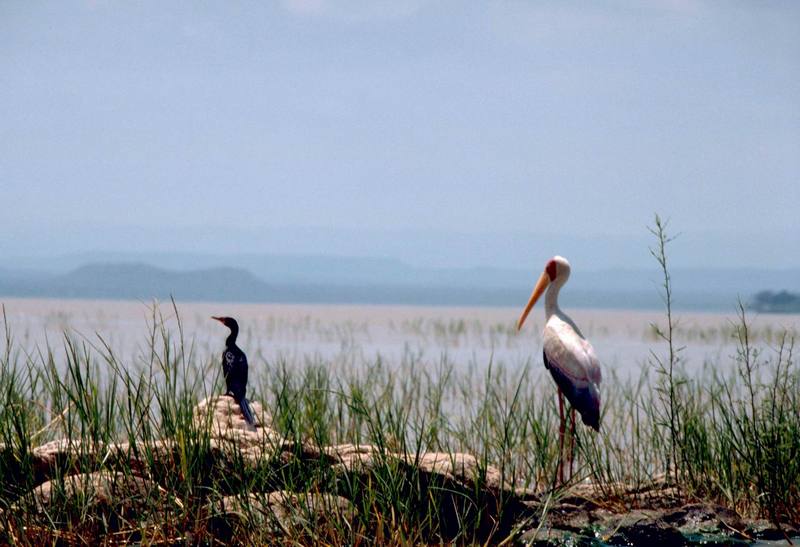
356	335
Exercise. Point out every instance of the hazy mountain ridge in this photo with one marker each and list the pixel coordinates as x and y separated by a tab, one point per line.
138	281
274	278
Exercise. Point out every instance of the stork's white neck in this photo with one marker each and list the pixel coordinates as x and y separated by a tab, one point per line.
551	297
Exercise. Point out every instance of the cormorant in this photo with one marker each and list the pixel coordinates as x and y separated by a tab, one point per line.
234	368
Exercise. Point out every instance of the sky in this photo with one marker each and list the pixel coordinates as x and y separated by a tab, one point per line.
439	132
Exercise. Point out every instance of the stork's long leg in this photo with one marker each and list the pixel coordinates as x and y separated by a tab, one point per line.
571	440
562	423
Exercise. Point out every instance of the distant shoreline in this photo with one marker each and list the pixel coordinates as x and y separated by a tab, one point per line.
374	309
327	281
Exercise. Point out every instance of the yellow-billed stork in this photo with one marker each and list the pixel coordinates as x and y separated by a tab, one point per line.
568	355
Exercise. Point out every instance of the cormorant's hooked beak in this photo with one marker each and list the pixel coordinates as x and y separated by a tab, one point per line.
541	285
220	319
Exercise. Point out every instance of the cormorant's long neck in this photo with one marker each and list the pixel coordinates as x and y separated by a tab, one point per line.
230	341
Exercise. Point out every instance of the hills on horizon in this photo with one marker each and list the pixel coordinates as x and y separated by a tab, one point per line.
358	280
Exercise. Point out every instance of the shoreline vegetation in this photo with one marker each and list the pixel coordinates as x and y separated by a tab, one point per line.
776	302
97	448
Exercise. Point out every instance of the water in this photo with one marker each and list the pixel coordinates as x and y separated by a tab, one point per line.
624	340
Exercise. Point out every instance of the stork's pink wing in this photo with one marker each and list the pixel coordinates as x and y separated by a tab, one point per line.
595	375
575	369
572	354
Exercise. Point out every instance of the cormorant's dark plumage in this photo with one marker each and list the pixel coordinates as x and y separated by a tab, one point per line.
234	369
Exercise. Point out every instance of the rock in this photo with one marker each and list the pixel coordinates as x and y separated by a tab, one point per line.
698	518
462	494
463	469
111	494
88	504
73	456
350	456
567	523
50	453
232	440
766	530
228	428
139	456
97	488
647	532
546	536
282	513
63	456
573	518
224	413
231	436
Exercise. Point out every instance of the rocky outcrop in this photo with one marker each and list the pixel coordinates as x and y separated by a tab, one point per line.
231	436
223	415
459	469
279	513
688	524
85	502
102	488
119	483
217	418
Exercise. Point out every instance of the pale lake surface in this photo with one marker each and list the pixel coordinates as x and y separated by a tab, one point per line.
359	334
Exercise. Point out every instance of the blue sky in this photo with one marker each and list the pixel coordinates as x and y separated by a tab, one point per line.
171	125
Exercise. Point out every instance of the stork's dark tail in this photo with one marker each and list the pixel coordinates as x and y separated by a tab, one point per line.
246	412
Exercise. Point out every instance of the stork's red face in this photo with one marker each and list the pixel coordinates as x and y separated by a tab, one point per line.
551	269
555	266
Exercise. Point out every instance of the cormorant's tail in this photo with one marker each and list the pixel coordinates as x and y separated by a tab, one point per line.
246	412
